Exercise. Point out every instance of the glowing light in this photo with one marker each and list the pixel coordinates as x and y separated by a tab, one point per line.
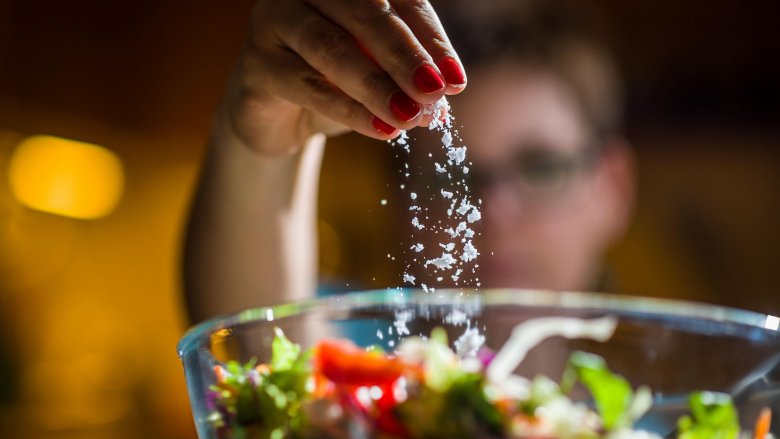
772	323
66	177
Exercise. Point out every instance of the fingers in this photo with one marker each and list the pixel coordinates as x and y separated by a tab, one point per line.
294	80
390	41
423	21
333	52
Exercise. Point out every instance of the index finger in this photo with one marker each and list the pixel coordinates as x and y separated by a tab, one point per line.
423	21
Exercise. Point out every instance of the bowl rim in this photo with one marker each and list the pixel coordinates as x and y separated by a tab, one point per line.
659	307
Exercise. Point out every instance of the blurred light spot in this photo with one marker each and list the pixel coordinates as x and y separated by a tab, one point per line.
772	323
66	177
222	345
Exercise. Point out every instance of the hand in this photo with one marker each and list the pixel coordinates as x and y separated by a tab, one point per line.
328	66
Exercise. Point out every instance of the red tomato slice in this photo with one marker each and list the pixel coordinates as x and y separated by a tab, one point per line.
344	363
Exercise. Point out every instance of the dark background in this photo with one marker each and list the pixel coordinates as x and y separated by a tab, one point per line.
90	311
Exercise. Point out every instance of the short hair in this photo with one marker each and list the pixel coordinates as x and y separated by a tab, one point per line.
555	36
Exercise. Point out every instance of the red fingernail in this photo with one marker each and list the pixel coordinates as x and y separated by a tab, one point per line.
428	80
404	107
452	71
382	126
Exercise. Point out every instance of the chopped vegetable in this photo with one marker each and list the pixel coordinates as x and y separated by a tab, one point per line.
337	390
714	417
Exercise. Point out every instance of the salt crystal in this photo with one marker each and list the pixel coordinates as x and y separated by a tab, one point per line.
446	139
413	195
444	262
456	276
469	233
440	168
456	317
469	252
418	247
464	207
383	202
379	334
401	318
469	343
446	194
474	215
424	287
414	208
465	169
457	155
409	278
402	138
416	223
448	247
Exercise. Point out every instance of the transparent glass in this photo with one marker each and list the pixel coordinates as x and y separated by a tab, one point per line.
674	347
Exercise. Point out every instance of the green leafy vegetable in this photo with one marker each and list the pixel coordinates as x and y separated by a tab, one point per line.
283	351
714	417
611	393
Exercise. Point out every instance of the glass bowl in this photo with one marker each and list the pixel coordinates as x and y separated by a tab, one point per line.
674	347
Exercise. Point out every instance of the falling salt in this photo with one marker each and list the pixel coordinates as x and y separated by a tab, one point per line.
469	343
383	202
457	155
418	247
444	262
474	215
457	274
448	247
446	139
446	194
465	206
408	278
416	223
469	252
439	168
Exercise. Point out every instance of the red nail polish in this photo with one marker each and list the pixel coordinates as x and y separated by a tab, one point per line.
404	107
427	80
452	71
382	126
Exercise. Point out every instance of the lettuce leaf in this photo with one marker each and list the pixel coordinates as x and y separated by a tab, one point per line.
713	417
612	393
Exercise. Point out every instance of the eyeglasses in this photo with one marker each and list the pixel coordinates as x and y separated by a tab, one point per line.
537	173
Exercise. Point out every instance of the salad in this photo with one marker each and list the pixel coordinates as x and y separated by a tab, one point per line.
425	389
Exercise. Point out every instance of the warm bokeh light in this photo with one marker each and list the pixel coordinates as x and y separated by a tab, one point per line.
66	177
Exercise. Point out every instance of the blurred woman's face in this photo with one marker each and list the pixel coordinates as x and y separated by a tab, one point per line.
553	199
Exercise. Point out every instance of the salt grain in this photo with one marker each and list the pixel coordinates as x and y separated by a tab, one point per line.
444	262
469	252
457	155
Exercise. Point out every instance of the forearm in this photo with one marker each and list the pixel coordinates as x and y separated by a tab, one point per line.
251	239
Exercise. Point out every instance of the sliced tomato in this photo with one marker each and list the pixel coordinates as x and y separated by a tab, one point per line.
344	363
